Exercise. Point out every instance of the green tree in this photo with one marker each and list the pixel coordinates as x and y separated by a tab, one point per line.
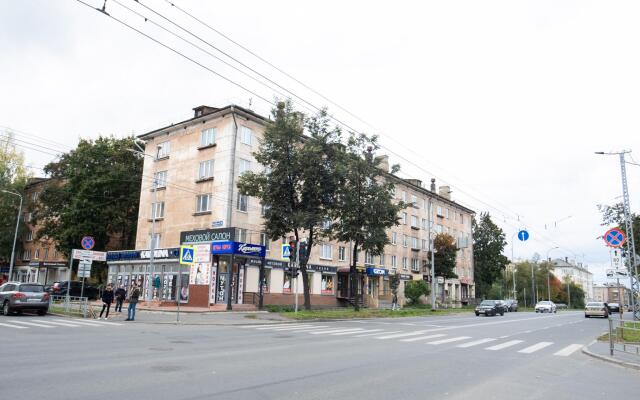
13	177
444	258
366	207
300	181
413	290
95	190
614	215
488	245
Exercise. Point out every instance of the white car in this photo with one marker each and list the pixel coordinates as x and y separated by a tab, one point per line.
545	306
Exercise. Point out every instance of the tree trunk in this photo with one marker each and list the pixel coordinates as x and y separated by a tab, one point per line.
260	288
303	270
354	278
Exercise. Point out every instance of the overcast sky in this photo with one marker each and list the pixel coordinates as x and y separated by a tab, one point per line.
505	101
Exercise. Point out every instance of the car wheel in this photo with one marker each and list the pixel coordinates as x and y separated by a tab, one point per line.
477	314
586	316
502	314
42	312
6	310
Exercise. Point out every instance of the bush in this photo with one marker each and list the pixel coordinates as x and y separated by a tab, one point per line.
413	290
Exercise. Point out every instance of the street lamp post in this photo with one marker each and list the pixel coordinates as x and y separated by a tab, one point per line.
15	235
549	272
513	266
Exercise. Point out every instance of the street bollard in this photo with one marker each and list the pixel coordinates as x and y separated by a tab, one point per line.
610	336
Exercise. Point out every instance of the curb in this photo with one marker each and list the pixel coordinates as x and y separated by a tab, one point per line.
585	350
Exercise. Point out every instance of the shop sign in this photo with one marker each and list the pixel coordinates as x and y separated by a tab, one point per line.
268	263
200	274
143	254
202	253
377	271
241	249
405	277
322	268
208	235
157	253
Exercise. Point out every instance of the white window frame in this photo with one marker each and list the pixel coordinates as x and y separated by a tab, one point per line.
208	137
243	203
244	165
405	263
163	150
342	253
243	234
368	258
246	135
200	202
425	224
157	210
404	218
382	260
414	222
405	241
264	240
158	237
29	235
415	244
394	238
36	254
326	251
160	180
205	169
394	261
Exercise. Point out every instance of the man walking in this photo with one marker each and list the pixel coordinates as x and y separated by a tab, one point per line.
133	302
121	294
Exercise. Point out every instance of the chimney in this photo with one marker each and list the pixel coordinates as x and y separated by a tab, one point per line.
445	191
203	110
433	185
415	182
383	162
566	259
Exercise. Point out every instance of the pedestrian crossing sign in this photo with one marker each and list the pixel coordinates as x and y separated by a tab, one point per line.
186	255
286	252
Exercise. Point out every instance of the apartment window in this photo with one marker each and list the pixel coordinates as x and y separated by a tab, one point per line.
414	265
242	235
342	253
46	254
326	224
405	263
208	137
414	222
160	179
425	244
414	243
26	255
163	150
404	218
394	261
368	258
405	240
439	211
446	213
156	242
55	254
245	165
425	224
205	170
245	135
264	240
382	260
403	196
243	202
414	200
394	238
203	203
325	251
157	210
438	228
29	236
37	254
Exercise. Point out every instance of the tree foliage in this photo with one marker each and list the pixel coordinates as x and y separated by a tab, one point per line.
488	245
95	190
614	215
300	180
13	177
444	258
413	290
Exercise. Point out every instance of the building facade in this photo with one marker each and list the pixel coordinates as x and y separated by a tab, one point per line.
610	293
577	273
189	196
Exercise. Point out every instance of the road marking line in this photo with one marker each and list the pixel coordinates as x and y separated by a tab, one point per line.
415	339
351	333
32	324
455	339
475	343
504	345
87	323
567	351
399	335
272	325
14	326
58	323
535	347
302	328
105	323
336	331
264	328
376	333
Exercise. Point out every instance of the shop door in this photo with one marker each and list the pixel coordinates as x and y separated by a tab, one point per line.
343	286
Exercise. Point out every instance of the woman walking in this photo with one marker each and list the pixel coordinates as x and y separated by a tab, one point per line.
107	299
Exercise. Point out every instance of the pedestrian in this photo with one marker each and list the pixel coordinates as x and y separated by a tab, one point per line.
107	299
121	294
133	301
394	302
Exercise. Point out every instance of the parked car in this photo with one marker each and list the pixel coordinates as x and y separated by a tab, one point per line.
60	289
597	309
511	304
490	307
613	307
19	297
546	306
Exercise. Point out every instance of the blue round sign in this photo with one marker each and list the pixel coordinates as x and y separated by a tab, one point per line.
523	235
88	242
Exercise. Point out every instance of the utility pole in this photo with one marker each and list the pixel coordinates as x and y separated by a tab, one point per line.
433	268
15	235
513	266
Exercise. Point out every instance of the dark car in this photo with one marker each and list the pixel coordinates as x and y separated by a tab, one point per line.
511	305
60	289
613	307
490	307
20	296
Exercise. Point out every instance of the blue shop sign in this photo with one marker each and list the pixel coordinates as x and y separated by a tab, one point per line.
377	271
238	248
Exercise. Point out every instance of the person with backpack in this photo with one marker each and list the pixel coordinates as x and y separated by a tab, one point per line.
133	302
121	294
107	299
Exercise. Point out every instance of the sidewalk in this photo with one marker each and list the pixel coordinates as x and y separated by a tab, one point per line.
600	350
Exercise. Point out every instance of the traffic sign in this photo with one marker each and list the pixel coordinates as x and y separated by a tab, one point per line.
617	273
187	255
77	254
84	269
286	252
614	237
523	235
88	242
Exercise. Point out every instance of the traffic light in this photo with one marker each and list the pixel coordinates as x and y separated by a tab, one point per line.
303	249
294	253
294	272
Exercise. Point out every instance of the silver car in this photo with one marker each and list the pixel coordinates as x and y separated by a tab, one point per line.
545	306
21	296
596	309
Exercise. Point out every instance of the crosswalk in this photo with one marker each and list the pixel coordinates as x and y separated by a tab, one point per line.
52	323
423	336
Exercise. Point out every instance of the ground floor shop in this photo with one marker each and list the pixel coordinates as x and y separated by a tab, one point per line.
43	272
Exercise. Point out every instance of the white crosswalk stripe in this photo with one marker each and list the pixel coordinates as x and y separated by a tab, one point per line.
57	323
353	333
416	339
476	343
567	351
32	324
374	334
78	322
270	325
13	326
450	340
336	331
535	347
302	329
273	328
504	345
400	335
106	323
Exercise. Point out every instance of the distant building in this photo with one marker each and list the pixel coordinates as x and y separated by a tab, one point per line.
609	293
577	273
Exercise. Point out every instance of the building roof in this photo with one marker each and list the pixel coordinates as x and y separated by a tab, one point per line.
560	263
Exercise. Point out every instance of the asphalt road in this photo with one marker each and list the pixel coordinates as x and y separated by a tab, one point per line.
520	355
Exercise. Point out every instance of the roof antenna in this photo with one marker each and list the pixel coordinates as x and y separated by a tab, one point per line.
104	8
250	102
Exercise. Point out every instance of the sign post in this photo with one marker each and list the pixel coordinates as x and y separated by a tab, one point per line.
615	238
187	257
